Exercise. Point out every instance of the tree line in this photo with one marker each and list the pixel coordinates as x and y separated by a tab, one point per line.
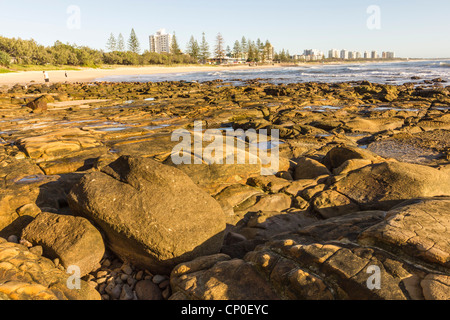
244	49
128	52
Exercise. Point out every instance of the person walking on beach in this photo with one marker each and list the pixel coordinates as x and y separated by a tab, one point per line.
46	78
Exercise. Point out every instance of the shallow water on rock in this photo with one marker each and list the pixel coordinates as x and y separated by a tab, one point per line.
403	152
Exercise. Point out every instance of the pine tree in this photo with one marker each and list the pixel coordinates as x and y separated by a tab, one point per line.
244	48
204	49
193	48
219	51
120	43
259	50
229	53
133	42
237	49
268	51
111	45
174	47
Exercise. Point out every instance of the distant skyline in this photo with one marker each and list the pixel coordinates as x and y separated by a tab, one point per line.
413	28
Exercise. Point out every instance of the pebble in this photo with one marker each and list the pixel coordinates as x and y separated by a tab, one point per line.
13	238
26	243
116	280
127	293
166	293
126	268
106	263
116	292
101	280
147	290
164	284
139	275
101	274
157	279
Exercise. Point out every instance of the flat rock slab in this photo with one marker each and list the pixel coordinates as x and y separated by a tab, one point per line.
419	231
285	269
383	185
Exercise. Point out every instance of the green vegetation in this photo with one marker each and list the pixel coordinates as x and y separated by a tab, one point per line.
3	70
21	55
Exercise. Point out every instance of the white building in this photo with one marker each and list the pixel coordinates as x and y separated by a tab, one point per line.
333	54
160	41
344	54
313	54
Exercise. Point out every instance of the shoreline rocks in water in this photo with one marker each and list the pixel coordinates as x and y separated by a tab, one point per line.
87	179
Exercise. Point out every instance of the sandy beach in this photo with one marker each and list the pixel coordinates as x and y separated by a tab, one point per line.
88	74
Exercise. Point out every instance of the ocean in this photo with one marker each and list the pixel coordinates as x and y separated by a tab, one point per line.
385	73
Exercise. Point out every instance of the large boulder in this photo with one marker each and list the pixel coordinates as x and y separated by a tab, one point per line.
383	185
153	215
73	240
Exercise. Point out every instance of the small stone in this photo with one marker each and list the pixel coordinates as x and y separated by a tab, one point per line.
56	261
101	274
147	290
101	288
105	297
116	292
164	284
106	263
109	287
37	250
131	282
139	275
157	279
124	277
13	238
101	280
166	293
126	268
127	293
26	243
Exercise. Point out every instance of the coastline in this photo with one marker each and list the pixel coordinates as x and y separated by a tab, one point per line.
89	74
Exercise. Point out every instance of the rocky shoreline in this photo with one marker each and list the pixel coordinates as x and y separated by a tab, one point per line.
87	180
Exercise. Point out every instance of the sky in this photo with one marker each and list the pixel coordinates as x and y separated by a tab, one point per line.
410	28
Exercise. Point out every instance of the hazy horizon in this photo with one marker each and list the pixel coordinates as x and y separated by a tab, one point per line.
412	29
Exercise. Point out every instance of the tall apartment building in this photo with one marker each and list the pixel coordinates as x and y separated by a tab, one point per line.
160	41
344	54
388	55
333	53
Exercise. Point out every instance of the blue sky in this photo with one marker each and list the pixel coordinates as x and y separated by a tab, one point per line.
411	28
